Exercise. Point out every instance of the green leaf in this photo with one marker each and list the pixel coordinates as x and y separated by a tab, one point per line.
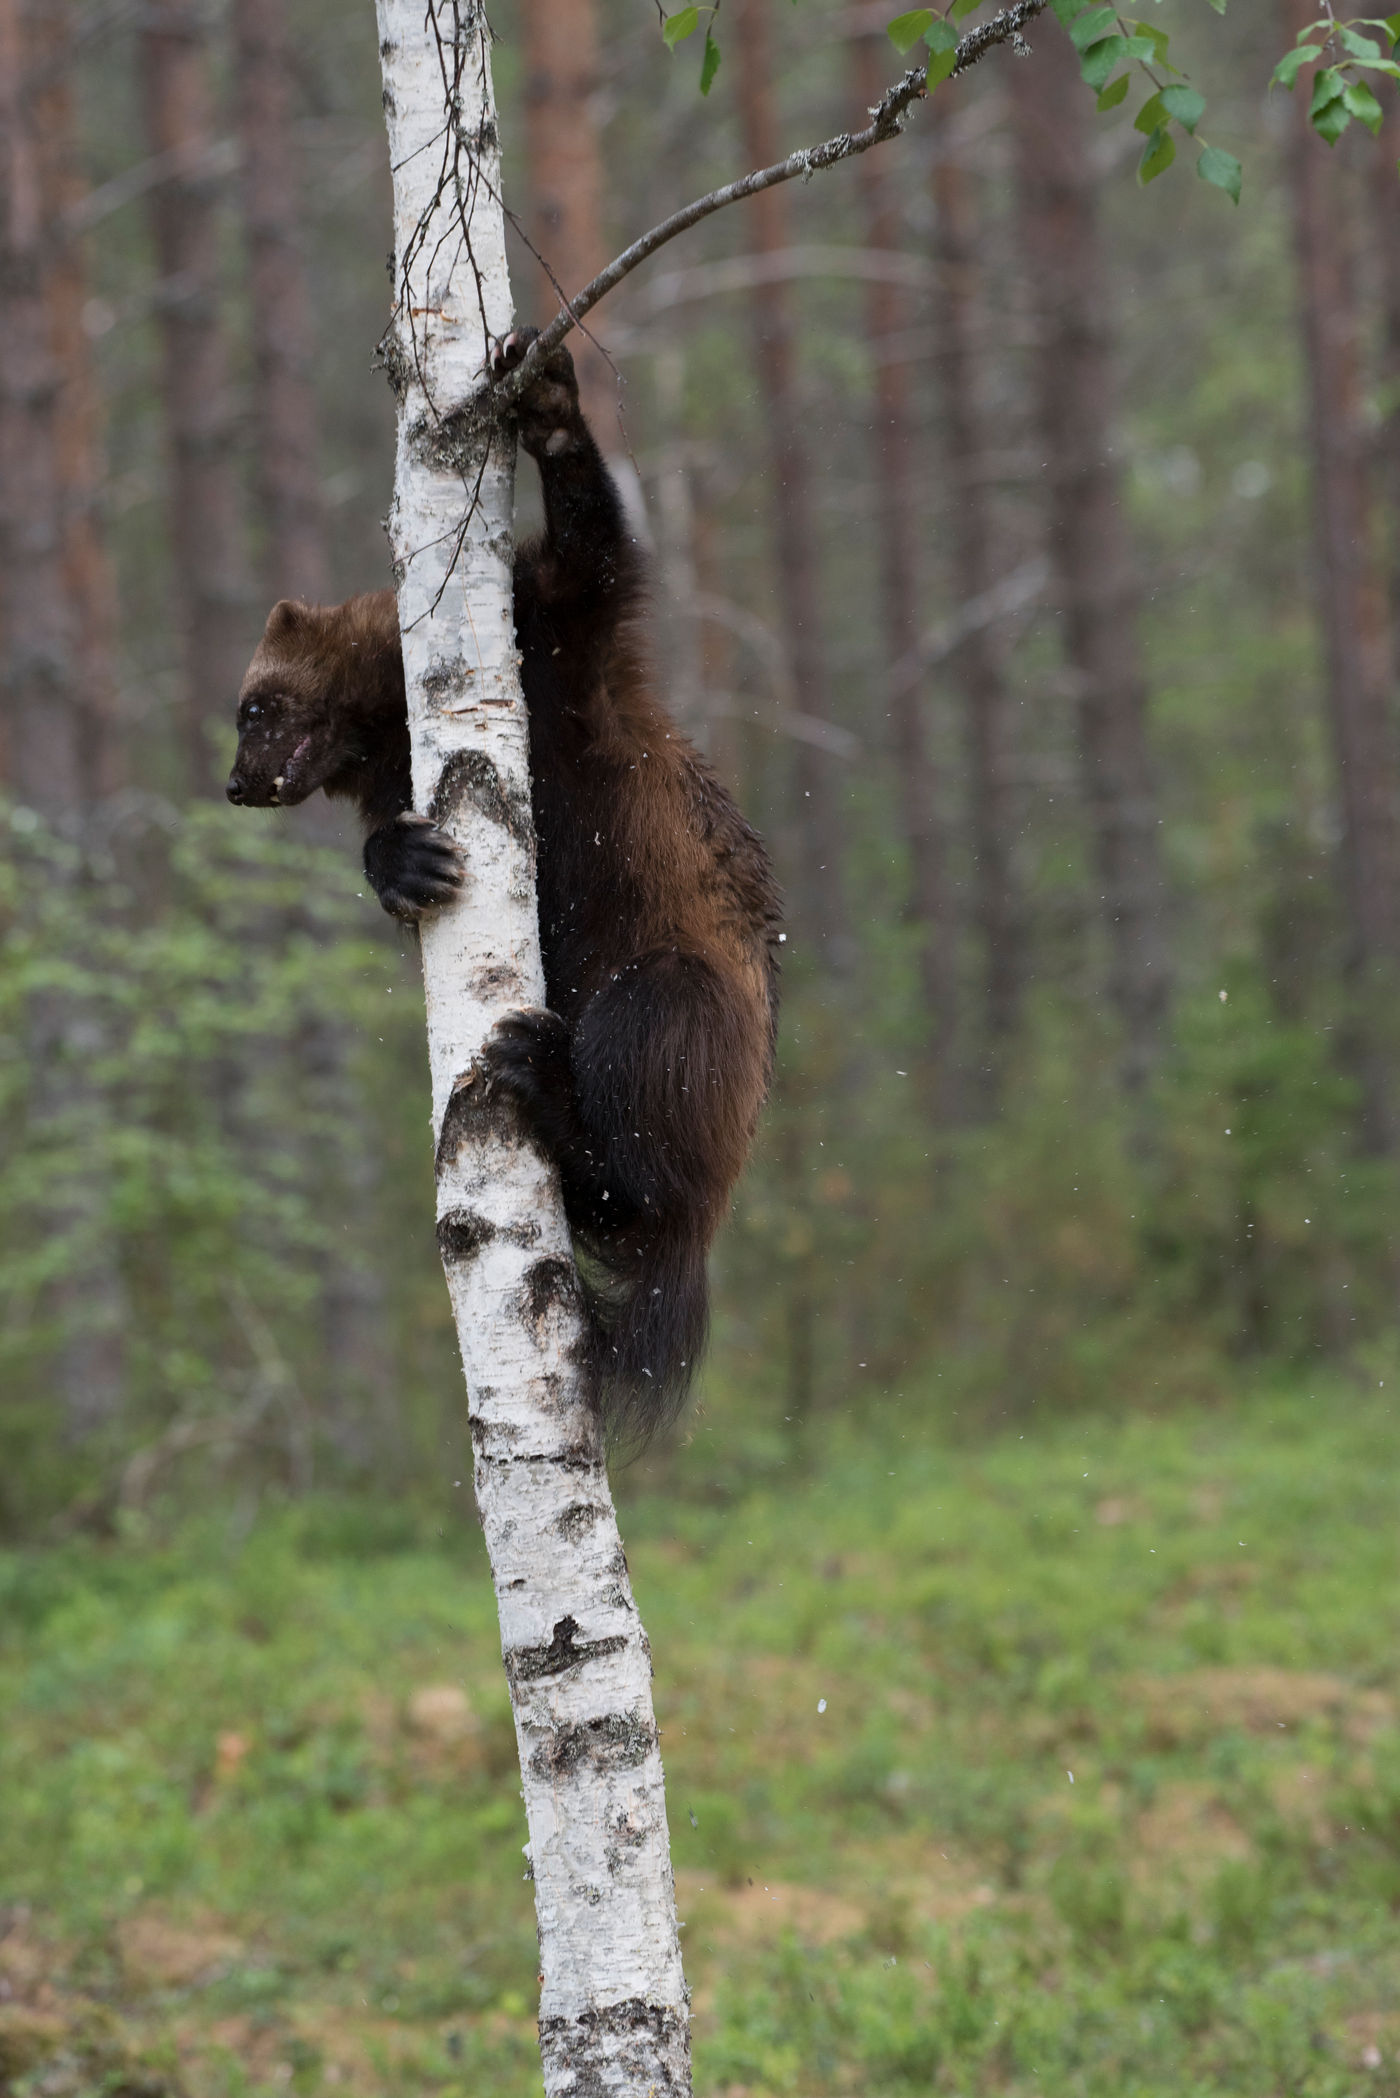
1392	25
963	7
1222	171
1151	116
1066	10
1091	26
1157	156
1322	28
1112	96
709	64
1331	120
1328	86
1359	46
1184	103
1219	6
1291	64
676	28
1100	59
1158	39
905	30
1364	106
942	41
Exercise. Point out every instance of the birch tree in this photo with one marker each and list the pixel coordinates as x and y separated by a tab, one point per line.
613	2012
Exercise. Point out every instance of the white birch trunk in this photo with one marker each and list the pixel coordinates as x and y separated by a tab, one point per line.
613	2007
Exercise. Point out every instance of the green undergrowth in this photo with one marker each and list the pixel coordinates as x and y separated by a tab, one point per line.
1063	1763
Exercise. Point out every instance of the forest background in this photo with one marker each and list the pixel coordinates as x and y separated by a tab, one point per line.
1027	555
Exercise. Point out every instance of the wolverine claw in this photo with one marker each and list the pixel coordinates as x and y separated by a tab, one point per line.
508	350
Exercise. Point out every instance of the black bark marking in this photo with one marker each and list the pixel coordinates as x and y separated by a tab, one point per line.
565	1650
496	1442
461	1234
470	777
576	1519
472	1113
453	443
657	2061
446	678
618	1742
626	1838
390	358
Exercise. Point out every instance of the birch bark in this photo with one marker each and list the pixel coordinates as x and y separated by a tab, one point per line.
613	2007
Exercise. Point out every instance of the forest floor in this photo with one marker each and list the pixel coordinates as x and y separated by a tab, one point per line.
1066	1762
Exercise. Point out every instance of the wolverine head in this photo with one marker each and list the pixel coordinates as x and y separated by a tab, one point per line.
291	735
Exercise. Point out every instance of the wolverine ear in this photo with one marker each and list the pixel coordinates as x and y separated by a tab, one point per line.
287	618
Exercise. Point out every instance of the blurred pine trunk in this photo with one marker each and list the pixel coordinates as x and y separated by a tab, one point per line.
359	1410
78	412
294	559
43	719
1088	539
206	527
977	665
1351	598
1383	251
48	742
929	902
818	845
566	184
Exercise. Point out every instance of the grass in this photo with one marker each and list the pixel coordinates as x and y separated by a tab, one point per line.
1104	1797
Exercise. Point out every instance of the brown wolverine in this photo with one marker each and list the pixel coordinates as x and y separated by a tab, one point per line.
658	912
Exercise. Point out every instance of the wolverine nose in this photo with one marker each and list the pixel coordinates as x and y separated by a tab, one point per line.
234	789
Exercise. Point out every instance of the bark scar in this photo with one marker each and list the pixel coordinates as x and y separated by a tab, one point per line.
617	1741
461	1234
565	1650
470	777
472	1112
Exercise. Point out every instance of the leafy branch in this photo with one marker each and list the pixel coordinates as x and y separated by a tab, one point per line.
887	120
1338	94
1104	39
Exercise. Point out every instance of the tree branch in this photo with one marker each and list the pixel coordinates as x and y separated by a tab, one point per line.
886	121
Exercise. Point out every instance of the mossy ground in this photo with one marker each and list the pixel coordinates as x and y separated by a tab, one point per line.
1064	1763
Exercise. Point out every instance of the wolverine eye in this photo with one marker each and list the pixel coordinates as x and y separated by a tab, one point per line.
252	710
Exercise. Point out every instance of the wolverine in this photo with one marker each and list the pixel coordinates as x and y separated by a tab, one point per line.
659	917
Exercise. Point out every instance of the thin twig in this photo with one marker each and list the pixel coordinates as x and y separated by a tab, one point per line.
887	121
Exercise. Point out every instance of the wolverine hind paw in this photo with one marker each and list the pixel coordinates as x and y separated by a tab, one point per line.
547	413
526	1054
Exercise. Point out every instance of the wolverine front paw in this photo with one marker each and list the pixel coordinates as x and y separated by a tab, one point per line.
413	866
547	413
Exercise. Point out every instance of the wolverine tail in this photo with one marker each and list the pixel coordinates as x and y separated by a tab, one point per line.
649	1306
